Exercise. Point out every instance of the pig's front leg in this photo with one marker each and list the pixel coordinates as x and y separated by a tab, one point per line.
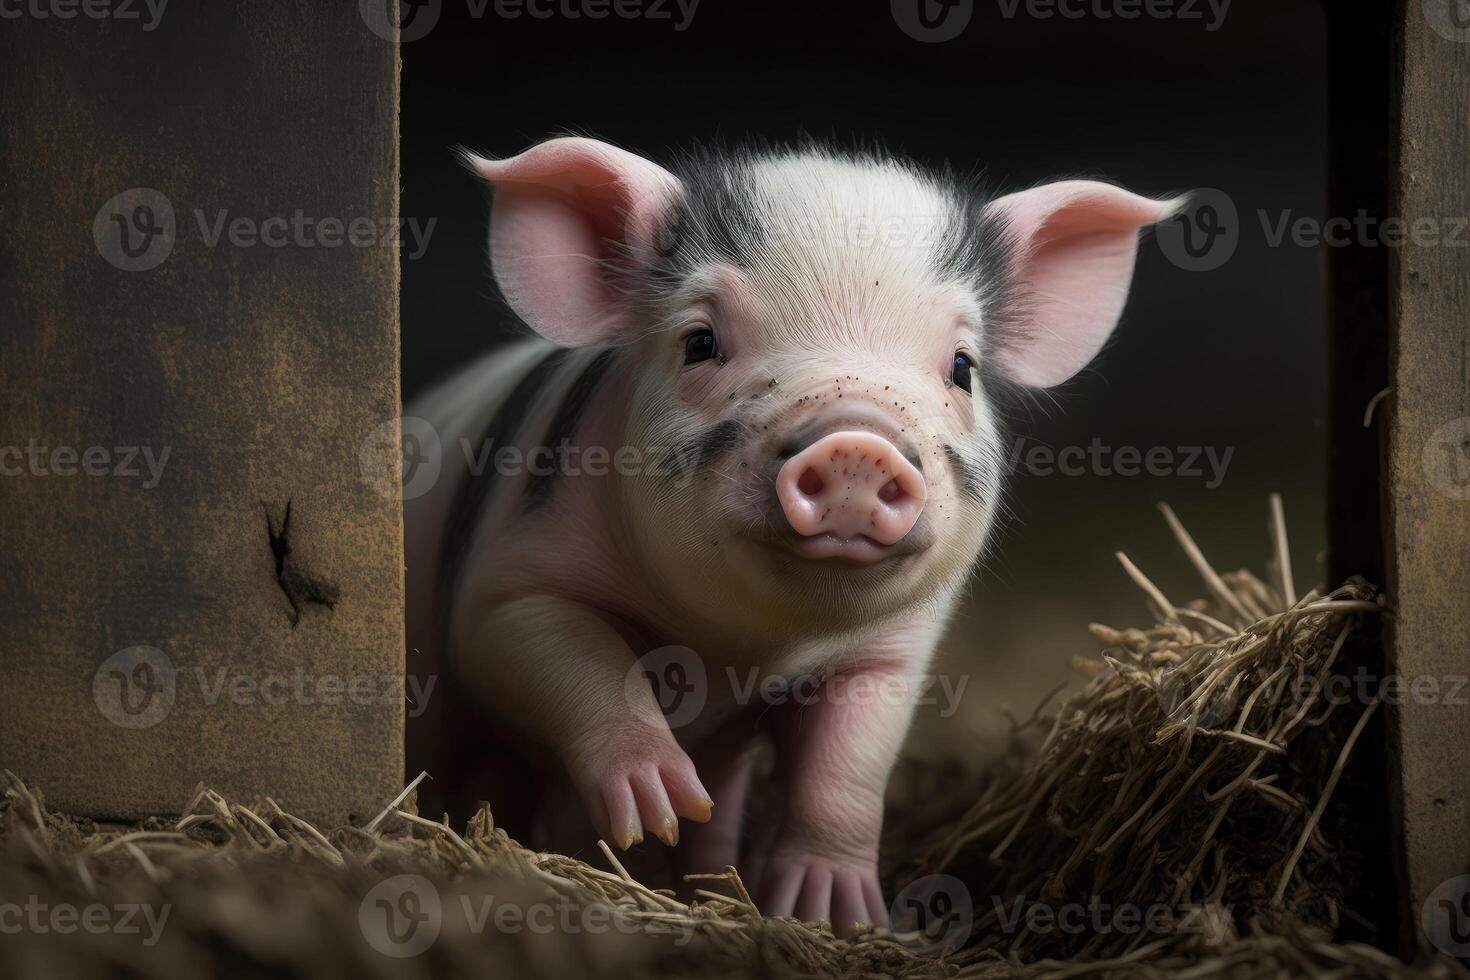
562	670
835	750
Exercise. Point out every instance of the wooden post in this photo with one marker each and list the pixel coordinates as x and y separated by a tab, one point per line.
198	335
1428	457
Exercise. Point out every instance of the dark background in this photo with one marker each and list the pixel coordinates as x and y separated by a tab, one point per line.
1232	357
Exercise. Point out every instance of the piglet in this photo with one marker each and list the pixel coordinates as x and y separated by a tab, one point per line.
757	427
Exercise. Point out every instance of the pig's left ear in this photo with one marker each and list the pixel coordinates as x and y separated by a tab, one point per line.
567	214
1076	243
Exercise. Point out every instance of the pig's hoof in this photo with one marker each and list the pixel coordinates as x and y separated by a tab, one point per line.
818	889
647	793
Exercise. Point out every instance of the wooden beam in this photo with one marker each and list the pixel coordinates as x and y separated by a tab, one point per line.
182	281
1428	456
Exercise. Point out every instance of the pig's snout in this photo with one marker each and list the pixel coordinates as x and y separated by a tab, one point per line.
851	484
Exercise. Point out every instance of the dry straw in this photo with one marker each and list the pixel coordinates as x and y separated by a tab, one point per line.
1195	772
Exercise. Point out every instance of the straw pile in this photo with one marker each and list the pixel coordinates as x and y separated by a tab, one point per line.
1195	773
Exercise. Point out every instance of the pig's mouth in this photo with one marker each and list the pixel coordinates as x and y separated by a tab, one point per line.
859	550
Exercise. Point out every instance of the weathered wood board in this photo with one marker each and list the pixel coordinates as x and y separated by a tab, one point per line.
1428	463
198	329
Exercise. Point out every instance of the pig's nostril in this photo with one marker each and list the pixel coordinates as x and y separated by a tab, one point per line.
890	492
810	482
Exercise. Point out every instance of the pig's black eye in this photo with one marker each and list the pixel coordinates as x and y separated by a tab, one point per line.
963	367
699	346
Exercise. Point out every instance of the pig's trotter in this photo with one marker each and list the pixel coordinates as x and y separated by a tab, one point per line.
645	784
817	889
562	668
834	753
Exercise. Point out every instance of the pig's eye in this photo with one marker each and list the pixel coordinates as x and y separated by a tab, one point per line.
963	367
699	346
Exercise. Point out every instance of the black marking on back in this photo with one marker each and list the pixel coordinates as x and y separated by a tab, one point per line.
564	424
469	501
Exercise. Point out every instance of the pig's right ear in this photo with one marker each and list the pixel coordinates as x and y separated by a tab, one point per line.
566	215
1076	241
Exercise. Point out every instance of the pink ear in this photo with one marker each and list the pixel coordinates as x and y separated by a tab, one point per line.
564	212
1078	241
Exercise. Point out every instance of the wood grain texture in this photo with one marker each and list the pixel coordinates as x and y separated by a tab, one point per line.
262	370
1428	466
